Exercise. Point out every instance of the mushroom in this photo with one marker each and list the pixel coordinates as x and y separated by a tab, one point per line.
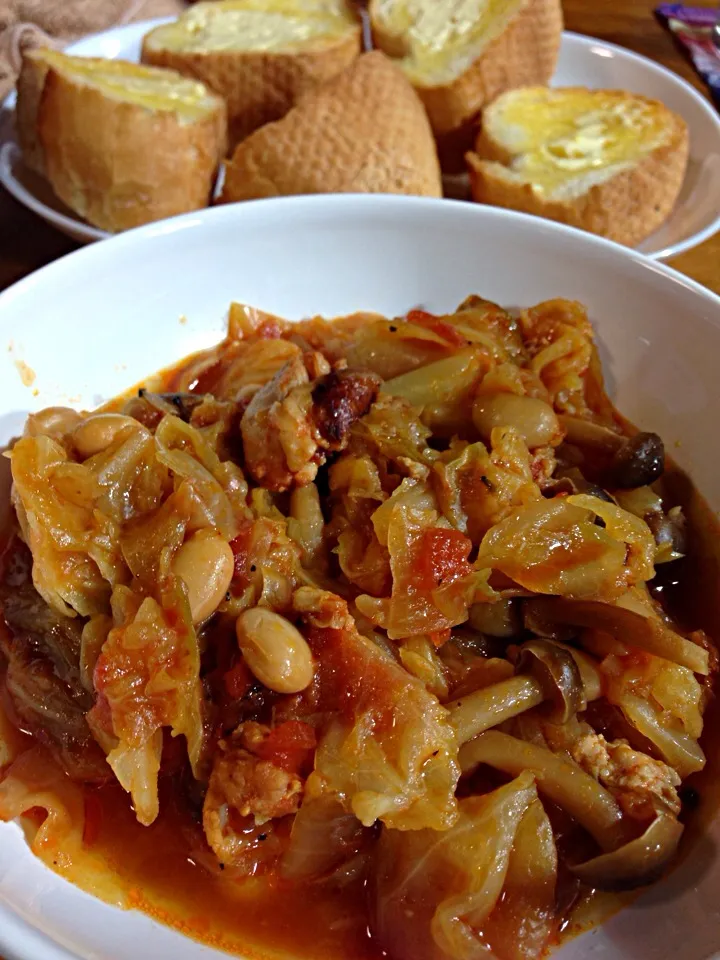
489	706
669	530
627	861
558	778
499	619
640	461
646	633
558	674
636	461
180	404
544	671
637	863
571	481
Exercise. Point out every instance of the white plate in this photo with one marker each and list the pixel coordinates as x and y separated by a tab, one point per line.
102	318
583	62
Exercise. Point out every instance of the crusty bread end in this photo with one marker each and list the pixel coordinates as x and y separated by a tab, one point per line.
365	131
121	144
30	83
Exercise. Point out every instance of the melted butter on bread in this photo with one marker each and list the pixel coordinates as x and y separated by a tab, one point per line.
148	87
439	39
556	138
607	161
255	25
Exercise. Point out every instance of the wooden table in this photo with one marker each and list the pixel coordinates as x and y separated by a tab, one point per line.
26	243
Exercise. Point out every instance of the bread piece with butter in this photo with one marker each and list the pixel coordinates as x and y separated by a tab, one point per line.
365	131
121	144
259	55
461	54
607	161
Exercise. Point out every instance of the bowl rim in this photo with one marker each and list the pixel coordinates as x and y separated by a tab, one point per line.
342	207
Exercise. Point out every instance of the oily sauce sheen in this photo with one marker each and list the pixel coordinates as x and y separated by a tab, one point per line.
162	874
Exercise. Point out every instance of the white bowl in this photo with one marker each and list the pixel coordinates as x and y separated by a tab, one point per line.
100	319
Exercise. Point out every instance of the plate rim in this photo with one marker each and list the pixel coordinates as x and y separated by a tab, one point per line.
82	232
68	225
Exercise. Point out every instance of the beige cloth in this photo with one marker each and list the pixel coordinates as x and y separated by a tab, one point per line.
25	23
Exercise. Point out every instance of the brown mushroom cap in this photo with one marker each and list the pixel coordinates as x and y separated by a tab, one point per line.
637	863
639	462
557	673
180	404
633	629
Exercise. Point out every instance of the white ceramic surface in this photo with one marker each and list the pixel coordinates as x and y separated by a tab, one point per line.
583	62
101	319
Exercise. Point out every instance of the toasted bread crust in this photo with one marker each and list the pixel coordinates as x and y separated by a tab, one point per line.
626	208
363	132
120	165
523	55
258	87
30	85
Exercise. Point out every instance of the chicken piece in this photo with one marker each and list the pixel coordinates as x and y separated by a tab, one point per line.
252	786
642	786
244	793
292	421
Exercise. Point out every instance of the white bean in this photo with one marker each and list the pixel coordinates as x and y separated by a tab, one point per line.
205	562
535	420
275	650
52	422
97	432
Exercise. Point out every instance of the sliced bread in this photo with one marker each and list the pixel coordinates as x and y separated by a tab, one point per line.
121	144
461	54
259	55
365	131
607	161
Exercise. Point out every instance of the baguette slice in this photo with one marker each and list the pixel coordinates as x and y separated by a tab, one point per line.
260	55
461	54
121	144
607	161
364	132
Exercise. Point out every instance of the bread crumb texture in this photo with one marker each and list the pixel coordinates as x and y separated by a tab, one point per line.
363	132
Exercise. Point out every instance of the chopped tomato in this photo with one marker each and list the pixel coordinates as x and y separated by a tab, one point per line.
442	556
421	317
443	329
93	819
238	680
439	637
240	547
101	713
290	746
